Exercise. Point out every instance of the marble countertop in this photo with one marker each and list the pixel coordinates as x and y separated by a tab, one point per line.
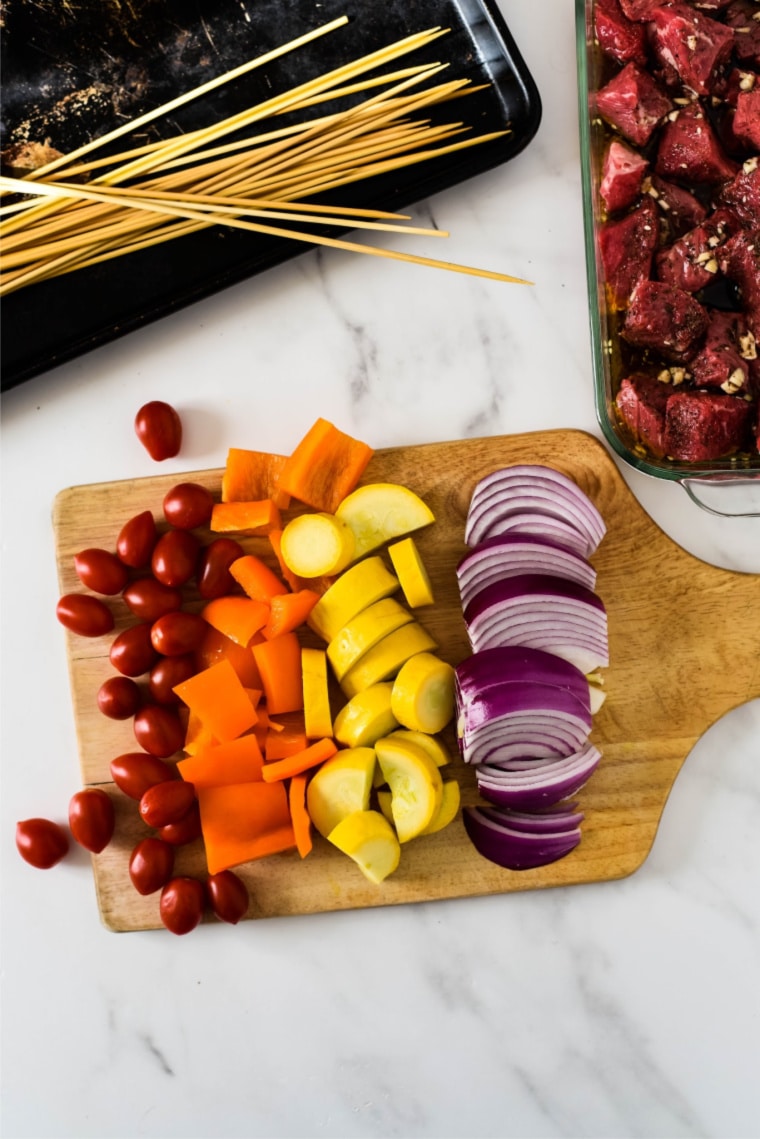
628	1008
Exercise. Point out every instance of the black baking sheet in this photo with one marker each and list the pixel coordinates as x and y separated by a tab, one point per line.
75	69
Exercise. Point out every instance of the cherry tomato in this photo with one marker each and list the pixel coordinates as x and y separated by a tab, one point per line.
119	698
100	571
188	505
228	896
136	540
174	557
136	771
158	729
182	903
159	429
167	673
41	842
149	599
213	567
91	819
85	615
132	652
176	634
150	865
188	829
166	803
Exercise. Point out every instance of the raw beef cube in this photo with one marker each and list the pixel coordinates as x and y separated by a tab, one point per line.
678	208
689	150
639	10
746	121
737	81
740	261
691	262
622	174
667	319
701	425
741	15
633	103
694	45
626	248
618	37
641	402
742	195
719	364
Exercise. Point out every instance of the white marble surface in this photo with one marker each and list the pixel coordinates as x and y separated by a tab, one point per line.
622	1009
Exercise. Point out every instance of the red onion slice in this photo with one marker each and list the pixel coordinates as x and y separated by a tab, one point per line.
540	525
505	664
514	849
532	489
541	783
512	554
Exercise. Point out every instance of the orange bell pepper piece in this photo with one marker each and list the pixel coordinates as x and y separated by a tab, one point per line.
311	756
238	761
216	646
239	618
244	821
299	815
325	466
220	700
279	664
256	579
252	475
288	611
245	517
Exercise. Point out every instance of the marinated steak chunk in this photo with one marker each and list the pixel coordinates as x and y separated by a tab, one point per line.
743	194
741	15
694	45
633	103
689	151
719	363
639	10
666	319
619	38
641	402
700	426
679	209
740	261
746	121
626	248
622	175
691	262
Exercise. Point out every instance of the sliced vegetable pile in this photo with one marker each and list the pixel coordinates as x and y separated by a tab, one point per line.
524	701
306	698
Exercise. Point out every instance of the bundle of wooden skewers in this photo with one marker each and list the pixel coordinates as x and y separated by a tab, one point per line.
244	172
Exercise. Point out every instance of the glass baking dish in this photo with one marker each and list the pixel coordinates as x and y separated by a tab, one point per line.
732	485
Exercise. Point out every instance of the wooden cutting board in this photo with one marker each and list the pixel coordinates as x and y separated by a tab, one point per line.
684	650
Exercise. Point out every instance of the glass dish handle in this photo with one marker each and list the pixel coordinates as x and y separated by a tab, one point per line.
749	508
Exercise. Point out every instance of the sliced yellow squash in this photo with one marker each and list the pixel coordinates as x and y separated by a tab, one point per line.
360	586
447	811
316	694
423	694
411	572
317	545
340	787
363	631
365	717
415	784
386	657
369	839
431	744
379	512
